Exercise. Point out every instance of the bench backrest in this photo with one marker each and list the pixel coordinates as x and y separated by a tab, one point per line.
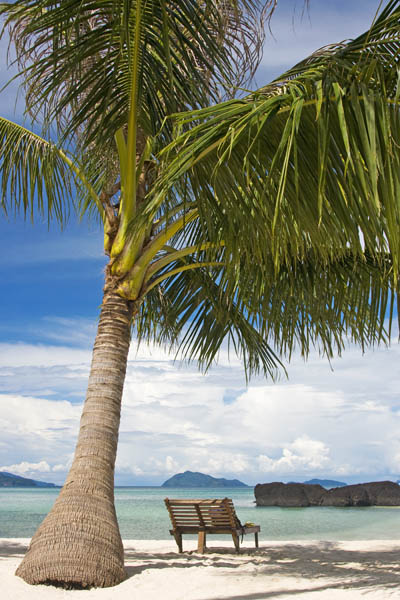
216	513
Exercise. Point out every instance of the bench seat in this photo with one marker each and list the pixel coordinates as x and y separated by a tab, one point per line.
206	516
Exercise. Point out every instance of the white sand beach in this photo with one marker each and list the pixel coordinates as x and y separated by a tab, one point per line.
277	570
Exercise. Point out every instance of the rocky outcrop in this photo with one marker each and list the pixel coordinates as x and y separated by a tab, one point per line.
377	493
288	494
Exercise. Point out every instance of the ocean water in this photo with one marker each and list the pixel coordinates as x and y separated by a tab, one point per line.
142	515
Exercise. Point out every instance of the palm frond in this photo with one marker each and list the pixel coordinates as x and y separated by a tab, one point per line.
75	57
193	311
38	177
310	305
301	180
33	176
310	161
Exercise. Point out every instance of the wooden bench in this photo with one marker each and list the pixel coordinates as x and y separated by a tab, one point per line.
206	516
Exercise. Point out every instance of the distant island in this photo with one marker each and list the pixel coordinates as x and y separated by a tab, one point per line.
189	479
326	483
9	480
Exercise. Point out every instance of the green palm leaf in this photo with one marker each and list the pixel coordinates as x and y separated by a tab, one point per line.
33	175
82	68
308	304
36	176
194	310
310	161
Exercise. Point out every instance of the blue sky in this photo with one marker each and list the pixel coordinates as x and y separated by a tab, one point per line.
341	423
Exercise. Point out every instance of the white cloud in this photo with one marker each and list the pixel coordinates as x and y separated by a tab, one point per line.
25	468
40	430
61	468
302	428
43	418
28	469
171	466
320	422
304	454
41	355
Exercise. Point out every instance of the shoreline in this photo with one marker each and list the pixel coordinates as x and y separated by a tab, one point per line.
316	570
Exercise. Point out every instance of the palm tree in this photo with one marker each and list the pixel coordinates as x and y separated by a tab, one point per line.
269	221
102	77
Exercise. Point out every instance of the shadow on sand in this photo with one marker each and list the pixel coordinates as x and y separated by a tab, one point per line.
323	562
9	549
324	565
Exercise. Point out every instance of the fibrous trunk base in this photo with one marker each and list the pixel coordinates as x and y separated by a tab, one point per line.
77	548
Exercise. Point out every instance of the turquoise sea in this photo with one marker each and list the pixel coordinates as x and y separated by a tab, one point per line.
142	515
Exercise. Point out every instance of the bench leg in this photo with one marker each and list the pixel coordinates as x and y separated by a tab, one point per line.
178	539
236	541
201	542
256	538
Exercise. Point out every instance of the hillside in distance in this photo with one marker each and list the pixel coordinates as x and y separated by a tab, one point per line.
9	480
326	483
189	479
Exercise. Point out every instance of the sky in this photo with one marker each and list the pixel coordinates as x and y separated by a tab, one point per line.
338	421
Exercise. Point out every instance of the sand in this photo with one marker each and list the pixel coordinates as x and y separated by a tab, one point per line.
278	570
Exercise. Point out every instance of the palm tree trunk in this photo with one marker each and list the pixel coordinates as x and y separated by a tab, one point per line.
79	544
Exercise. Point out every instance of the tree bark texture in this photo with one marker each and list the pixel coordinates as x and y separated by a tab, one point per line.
79	544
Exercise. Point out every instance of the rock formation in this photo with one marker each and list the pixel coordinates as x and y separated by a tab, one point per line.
288	494
377	493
